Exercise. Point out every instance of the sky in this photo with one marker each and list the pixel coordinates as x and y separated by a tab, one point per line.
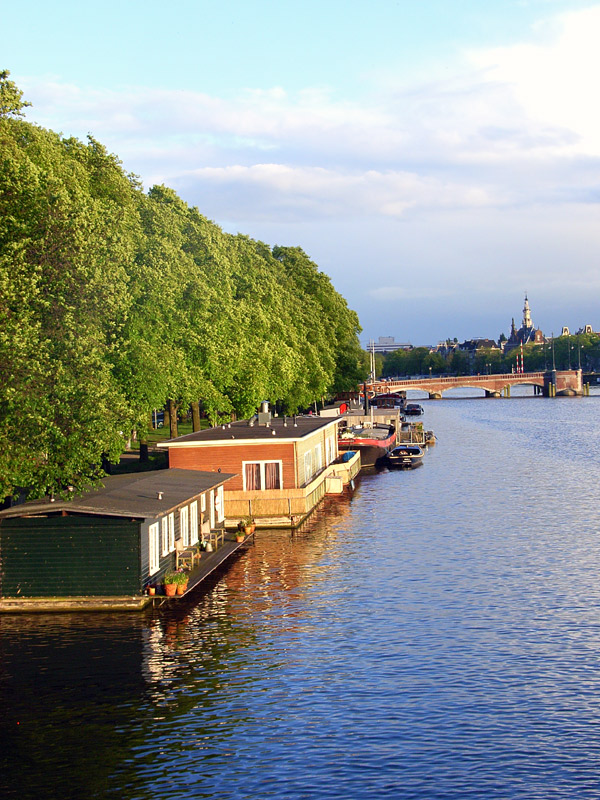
438	159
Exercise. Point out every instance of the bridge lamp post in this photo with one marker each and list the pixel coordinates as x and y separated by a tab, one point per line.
430	370
553	360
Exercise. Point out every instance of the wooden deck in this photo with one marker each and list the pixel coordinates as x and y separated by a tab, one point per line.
208	564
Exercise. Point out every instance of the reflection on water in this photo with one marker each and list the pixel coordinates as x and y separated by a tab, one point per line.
435	636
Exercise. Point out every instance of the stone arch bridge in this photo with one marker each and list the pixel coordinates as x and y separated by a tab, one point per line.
549	383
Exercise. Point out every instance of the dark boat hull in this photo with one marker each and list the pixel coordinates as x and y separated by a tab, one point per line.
404	457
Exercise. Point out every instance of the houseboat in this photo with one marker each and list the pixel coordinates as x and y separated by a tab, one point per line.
103	549
283	466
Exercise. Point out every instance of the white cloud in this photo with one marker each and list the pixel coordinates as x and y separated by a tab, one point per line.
335	192
487	178
555	81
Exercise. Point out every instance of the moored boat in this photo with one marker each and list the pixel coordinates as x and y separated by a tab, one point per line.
413	409
373	440
404	456
390	400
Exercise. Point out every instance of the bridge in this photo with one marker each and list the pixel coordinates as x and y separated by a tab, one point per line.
549	383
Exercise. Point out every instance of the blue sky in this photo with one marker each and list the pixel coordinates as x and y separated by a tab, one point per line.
437	159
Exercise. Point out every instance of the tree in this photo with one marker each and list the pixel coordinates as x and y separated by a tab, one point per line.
11	98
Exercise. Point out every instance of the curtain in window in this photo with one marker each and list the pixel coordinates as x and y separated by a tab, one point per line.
252	476
272	477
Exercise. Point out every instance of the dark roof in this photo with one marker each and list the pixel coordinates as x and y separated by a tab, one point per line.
134	495
250	430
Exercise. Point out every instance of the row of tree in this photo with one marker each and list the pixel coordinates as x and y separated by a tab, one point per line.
114	301
563	352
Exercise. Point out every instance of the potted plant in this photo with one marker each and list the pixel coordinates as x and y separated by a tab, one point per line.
247	524
170	582
181	582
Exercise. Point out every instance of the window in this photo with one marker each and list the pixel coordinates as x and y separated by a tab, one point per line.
329	450
171	532
203	502
318	458
193	522
260	475
220	505
308	467
184	526
165	536
153	548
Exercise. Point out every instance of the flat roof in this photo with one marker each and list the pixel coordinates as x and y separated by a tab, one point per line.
278	428
133	495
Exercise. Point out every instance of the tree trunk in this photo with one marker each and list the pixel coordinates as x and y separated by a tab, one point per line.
172	408
195	416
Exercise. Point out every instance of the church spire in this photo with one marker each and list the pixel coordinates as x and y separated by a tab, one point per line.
527	323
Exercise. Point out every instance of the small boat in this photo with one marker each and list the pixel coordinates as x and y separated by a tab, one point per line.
391	400
373	440
413	409
405	456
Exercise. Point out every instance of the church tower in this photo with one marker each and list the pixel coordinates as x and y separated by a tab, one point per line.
527	323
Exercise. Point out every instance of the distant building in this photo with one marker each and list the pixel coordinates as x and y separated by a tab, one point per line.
470	347
387	344
526	334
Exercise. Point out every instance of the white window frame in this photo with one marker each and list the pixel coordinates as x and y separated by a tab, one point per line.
153	548
194	522
308	466
202	502
220	505
171	532
318	458
184	525
164	536
262	473
329	451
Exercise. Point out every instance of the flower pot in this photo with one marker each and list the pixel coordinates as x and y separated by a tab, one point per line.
151	590
170	589
248	530
181	587
239	537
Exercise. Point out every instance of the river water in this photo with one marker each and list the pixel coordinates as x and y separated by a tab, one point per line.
436	635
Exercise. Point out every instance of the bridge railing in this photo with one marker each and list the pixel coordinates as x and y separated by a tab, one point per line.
510	376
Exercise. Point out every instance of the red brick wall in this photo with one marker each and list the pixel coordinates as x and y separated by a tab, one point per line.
229	459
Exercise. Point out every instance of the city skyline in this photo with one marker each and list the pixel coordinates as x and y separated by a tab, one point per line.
434	159
380	339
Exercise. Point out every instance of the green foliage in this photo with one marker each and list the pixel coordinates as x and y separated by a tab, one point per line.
113	301
11	98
